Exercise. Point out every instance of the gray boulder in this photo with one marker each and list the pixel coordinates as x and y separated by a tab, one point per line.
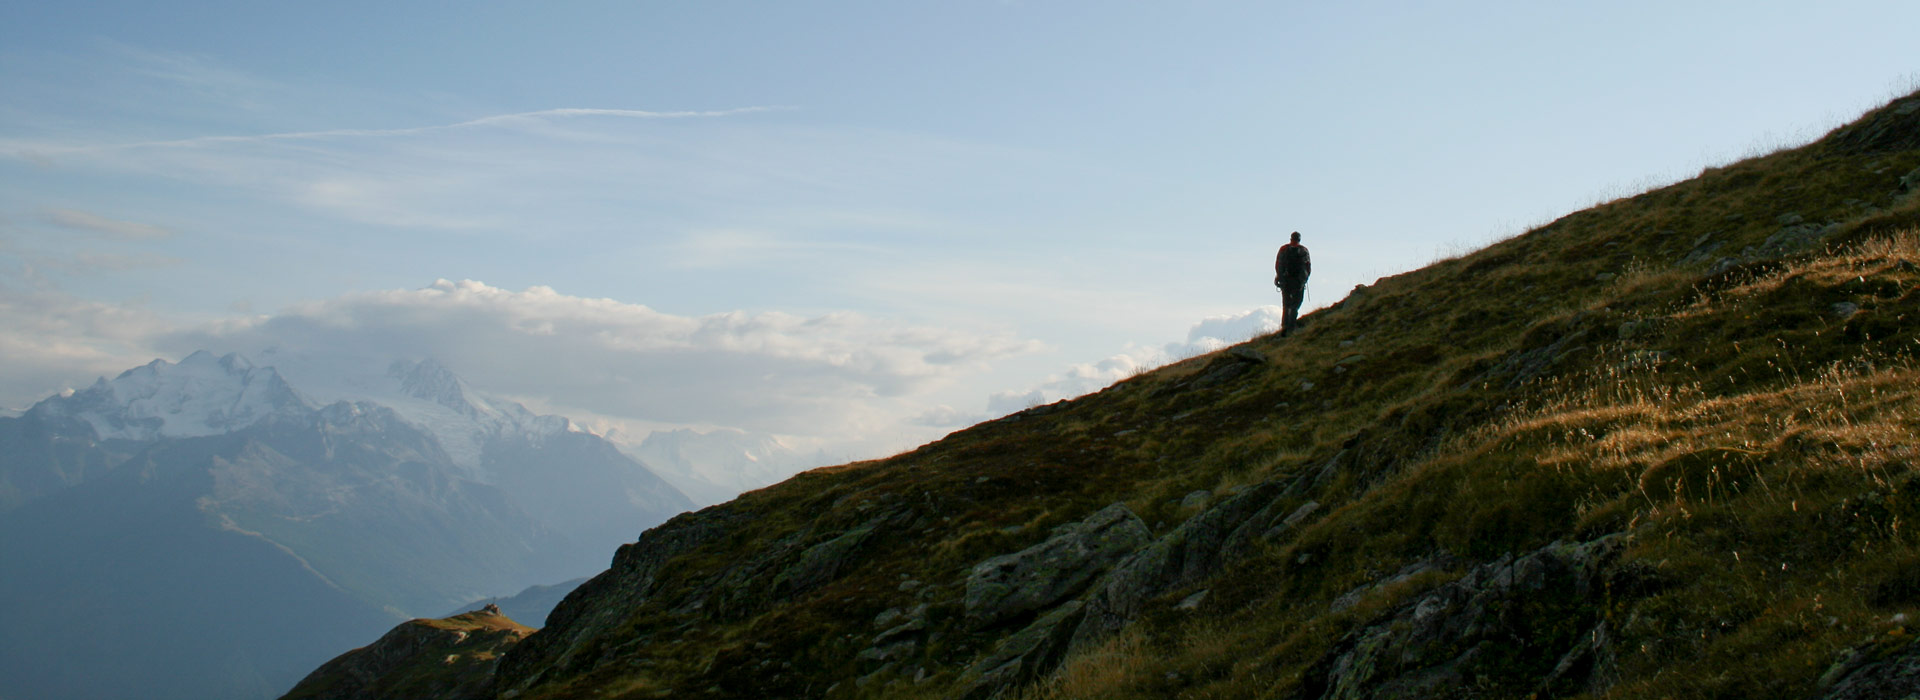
822	562
1872	673
1793	239
1504	626
1036	578
1193	551
1023	657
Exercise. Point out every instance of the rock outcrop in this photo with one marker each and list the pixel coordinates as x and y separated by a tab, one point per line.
1520	624
1894	127
1042	576
1874	672
1194	550
448	659
1034	579
604	601
1026	655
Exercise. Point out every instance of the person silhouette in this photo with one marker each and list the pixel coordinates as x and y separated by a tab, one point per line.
1291	266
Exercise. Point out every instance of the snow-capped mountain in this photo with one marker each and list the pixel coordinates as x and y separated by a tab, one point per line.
715	466
567	478
572	481
204	395
207	395
424	393
200	396
323	487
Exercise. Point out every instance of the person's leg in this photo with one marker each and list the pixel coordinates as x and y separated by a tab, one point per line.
1290	310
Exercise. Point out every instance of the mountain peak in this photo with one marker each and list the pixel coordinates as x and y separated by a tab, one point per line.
234	362
428	380
202	395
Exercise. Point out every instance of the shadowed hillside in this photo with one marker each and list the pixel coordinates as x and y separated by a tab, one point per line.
1658	448
447	658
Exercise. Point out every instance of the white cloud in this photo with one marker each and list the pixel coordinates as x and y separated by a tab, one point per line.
33	252
844	381
576	172
834	375
1210	334
53	341
1215	332
948	417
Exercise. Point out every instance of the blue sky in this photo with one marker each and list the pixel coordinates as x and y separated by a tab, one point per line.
851	223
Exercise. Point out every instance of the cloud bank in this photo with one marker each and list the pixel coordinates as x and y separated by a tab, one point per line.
50	335
831	375
849	382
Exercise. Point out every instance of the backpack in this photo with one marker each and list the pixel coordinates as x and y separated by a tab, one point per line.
1293	262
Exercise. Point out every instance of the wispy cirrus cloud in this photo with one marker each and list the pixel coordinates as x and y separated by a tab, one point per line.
42	151
88	221
194	73
503	171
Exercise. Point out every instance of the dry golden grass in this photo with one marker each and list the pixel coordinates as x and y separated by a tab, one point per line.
1111	670
1725	484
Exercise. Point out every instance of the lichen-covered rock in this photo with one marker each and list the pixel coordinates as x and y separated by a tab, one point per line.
822	562
1406	573
1192	551
1039	577
1024	656
1874	673
1516	623
1792	239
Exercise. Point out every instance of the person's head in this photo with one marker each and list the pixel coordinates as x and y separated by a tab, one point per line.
1296	236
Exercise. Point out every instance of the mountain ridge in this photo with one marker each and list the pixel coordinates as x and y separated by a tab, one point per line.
199	396
325	505
1654	448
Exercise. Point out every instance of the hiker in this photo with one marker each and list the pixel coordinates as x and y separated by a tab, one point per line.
1290	270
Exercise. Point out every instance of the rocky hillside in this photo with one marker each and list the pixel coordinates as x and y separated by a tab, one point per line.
1659	448
448	658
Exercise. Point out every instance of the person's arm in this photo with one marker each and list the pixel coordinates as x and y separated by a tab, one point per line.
1306	265
1277	258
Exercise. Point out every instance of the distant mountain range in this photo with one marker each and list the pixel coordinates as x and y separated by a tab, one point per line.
528	607
217	527
714	466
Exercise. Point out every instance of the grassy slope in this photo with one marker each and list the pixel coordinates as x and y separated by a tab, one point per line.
1581	379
